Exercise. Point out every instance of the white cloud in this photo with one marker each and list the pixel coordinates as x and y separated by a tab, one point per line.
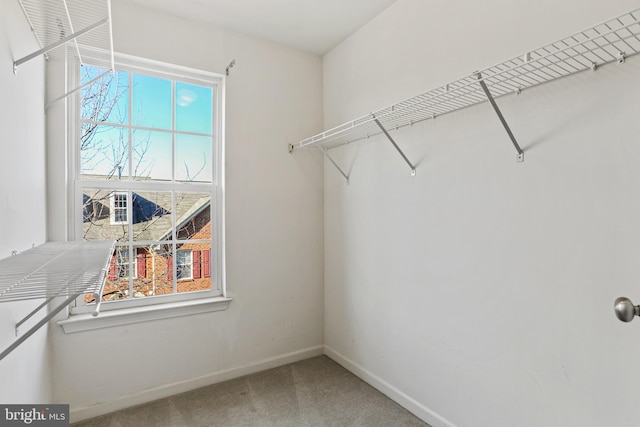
186	97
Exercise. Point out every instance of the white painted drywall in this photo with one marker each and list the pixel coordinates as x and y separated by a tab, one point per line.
25	373
274	230
480	292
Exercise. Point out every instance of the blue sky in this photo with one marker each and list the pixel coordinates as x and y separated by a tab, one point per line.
152	107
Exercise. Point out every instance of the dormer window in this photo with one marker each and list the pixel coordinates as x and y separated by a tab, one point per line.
119	208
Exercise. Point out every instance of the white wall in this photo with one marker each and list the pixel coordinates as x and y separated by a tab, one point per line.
480	292
274	230
25	372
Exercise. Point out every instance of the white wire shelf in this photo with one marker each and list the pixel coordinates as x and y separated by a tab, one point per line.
83	25
610	41
59	22
55	269
52	270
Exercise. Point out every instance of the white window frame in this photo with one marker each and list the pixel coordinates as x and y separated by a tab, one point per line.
177	302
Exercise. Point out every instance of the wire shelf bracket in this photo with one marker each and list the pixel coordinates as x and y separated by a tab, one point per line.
77	89
613	40
54	270
326	154
520	157
413	168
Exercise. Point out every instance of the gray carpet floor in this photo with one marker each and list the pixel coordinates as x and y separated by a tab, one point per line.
313	392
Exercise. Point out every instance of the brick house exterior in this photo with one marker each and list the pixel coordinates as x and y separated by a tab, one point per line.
153	265
159	268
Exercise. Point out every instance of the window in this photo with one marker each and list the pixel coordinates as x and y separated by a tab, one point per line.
124	265
118	208
185	265
148	150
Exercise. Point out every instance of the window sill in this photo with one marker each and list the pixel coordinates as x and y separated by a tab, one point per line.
107	319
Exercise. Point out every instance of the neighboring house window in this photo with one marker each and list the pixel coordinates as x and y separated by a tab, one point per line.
185	265
149	167
119	208
125	267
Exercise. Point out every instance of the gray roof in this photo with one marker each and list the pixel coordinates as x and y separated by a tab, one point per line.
151	214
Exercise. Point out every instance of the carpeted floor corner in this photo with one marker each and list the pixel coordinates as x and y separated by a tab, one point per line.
313	392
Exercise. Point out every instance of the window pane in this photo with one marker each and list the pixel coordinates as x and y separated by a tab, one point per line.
107	98
152	155
193	216
117	284
98	216
194	266
151	215
193	229
154	272
151	102
193	158
104	153
194	111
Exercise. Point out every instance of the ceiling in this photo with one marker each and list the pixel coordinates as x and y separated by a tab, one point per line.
315	26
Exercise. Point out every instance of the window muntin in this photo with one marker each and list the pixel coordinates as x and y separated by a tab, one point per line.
156	131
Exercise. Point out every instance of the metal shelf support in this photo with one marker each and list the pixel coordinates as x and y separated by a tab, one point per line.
54	270
58	43
520	157
30	315
326	154
72	91
413	168
38	325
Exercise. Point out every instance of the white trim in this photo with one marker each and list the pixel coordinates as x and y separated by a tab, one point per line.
151	67
124	185
410	404
151	300
125	316
150	129
167	390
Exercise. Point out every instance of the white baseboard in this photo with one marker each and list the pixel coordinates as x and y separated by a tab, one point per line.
81	414
417	409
